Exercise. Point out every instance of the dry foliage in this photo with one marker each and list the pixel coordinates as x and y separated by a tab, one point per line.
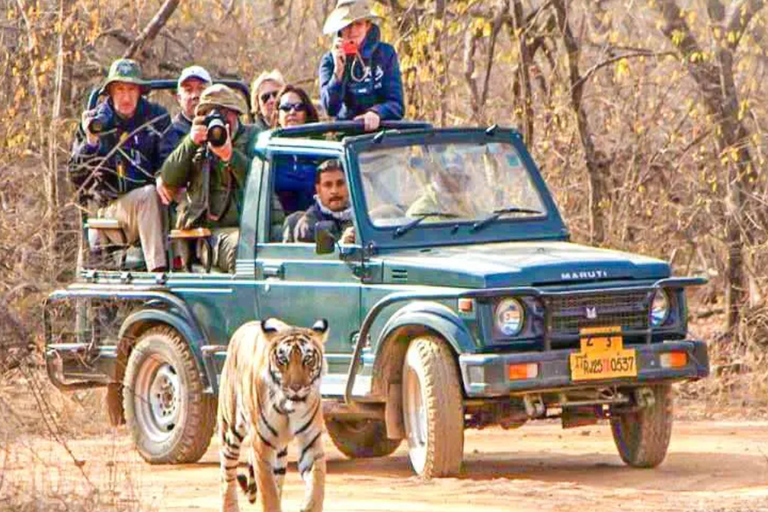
615	99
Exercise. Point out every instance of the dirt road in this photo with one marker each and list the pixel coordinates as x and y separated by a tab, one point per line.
712	466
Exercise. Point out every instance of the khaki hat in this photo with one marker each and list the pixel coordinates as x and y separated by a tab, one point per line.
348	12
219	95
127	71
266	76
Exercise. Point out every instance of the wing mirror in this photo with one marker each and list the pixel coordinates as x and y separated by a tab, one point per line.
325	242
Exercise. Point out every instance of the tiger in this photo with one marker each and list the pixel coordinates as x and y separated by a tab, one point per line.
269	394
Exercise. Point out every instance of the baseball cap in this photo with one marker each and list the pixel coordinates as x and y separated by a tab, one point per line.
198	72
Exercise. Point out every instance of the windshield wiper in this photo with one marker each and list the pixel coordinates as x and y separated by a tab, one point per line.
477	226
418	220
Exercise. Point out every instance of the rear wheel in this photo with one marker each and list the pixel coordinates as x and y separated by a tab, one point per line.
433	412
359	439
170	418
642	437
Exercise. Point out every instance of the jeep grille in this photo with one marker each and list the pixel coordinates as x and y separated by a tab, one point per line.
568	314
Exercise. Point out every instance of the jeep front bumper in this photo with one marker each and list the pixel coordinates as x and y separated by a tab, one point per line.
486	375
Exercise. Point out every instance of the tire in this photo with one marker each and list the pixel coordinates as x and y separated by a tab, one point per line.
433	412
361	439
170	418
642	437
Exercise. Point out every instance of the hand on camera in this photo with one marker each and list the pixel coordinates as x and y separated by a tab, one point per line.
339	59
199	131
85	122
224	152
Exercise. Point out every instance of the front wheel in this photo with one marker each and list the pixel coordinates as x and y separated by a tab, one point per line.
170	418
433	412
642	437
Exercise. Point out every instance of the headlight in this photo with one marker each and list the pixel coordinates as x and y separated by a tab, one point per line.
509	317
659	308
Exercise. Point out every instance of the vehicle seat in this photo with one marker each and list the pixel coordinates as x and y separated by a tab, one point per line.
117	253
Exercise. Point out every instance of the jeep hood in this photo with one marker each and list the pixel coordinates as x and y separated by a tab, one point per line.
516	264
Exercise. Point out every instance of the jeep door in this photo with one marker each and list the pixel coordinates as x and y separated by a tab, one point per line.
298	286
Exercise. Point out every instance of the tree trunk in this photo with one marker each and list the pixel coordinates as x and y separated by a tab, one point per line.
596	166
718	89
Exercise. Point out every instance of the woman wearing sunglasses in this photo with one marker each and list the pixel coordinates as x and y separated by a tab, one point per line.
294	107
295	176
264	91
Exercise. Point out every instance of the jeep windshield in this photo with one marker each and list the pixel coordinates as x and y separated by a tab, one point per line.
468	187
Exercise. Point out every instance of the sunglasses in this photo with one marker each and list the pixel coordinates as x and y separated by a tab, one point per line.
296	107
267	95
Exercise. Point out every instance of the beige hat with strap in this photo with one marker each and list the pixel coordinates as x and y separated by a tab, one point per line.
348	12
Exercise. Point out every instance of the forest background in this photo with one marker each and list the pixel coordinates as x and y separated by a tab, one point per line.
647	118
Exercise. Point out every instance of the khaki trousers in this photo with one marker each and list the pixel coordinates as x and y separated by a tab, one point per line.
140	215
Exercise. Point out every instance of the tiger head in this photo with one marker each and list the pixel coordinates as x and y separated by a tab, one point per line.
295	357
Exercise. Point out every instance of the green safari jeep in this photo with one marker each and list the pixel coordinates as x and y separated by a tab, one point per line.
462	304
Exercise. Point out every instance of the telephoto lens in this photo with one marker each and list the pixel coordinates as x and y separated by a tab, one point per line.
217	129
102	121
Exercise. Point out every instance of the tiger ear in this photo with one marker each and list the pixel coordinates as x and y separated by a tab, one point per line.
321	327
269	326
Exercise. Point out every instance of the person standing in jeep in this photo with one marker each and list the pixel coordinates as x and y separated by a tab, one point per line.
114	159
213	175
360	76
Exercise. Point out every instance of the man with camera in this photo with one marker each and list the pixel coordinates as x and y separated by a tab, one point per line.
190	85
114	159
360	76
211	163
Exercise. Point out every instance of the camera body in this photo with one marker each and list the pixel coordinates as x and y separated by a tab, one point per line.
216	128
349	48
103	120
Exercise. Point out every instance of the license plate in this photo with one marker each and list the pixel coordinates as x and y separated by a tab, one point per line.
602	355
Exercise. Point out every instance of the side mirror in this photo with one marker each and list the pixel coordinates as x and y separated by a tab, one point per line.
325	242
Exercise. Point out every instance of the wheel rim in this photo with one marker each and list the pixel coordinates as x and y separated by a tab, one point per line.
158	400
415	420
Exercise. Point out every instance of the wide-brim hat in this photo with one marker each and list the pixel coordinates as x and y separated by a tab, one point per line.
348	12
127	71
219	95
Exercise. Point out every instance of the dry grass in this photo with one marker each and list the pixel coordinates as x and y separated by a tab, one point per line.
738	385
45	465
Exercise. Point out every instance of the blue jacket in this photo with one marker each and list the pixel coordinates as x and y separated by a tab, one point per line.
112	168
381	90
180	127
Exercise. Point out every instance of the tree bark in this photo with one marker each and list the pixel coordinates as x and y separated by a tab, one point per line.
152	29
519	34
718	89
596	166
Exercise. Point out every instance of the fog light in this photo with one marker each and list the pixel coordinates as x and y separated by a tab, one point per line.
523	371
673	359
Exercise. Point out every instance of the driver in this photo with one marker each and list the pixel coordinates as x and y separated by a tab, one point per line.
446	193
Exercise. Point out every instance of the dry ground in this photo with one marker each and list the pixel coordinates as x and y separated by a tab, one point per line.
712	466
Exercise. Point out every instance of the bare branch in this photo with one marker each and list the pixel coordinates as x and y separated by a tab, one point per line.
151	30
738	19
